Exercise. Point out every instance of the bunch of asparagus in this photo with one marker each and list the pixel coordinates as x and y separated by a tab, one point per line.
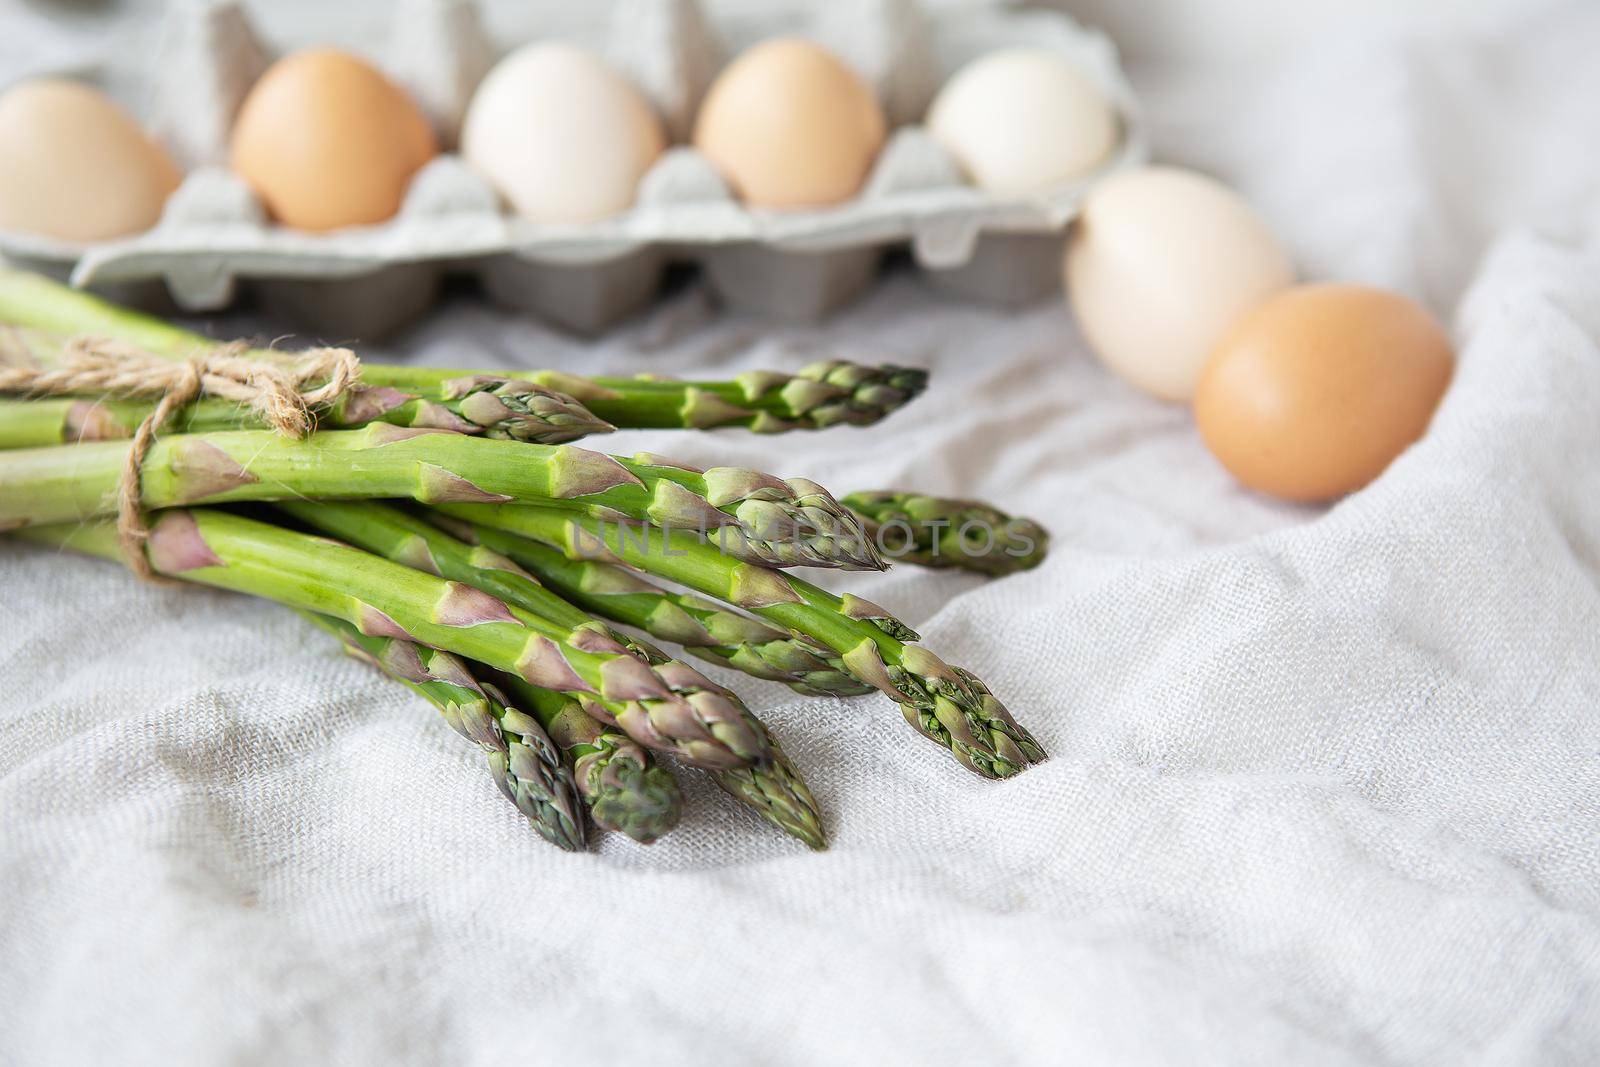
441	527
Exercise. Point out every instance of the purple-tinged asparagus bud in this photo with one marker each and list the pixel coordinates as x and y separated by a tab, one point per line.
438	417
670	622
574	386
402	659
729	485
767	422
613	581
672	505
652	459
595	639
201	470
365	404
543	664
435	485
583	543
919	660
374	623
866	663
703	411
757	383
462	605
485	409
88	420
731	628
752	586
955	723
488	559
628	679
415	553
803	394
578	472
176	544
854	607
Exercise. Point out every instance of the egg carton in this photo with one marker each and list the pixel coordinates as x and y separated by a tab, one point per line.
215	242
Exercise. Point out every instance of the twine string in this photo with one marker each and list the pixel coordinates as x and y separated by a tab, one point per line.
284	392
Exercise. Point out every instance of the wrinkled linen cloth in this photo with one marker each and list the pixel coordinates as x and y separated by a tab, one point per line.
1325	786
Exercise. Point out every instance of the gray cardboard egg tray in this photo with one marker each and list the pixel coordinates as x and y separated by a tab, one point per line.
214	239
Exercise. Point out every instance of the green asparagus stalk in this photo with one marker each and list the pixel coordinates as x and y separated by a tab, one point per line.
756	516
935	532
945	703
387	599
818	396
703	627
624	789
525	762
501	408
824	394
725	722
770	784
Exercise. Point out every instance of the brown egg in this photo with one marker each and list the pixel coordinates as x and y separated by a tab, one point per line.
790	126
1314	392
327	141
74	166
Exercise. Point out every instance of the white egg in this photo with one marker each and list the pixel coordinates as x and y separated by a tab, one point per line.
1159	265
562	136
1022	120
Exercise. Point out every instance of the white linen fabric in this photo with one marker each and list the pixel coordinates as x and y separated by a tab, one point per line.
1325	786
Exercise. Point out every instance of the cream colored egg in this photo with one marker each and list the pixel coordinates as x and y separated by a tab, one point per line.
790	126
1022	120
74	166
562	136
327	141
1159	264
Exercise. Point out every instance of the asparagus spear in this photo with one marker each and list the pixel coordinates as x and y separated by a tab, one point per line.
945	703
501	408
396	536
625	791
703	627
771	785
821	395
936	532
757	516
818	396
774	790
523	759
392	600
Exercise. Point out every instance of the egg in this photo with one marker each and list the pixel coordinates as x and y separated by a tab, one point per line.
790	126
562	136
1022	120
1160	263
1314	392
327	141
75	166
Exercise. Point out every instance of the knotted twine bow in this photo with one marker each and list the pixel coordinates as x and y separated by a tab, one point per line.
280	391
